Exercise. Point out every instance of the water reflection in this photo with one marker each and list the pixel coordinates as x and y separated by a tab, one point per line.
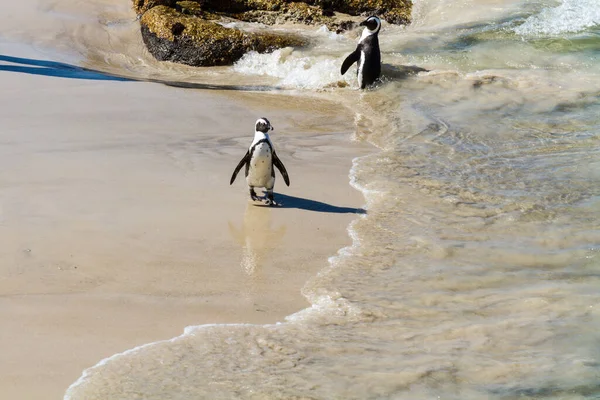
257	237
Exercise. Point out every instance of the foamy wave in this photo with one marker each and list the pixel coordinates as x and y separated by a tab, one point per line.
330	305
323	31
294	69
570	16
72	391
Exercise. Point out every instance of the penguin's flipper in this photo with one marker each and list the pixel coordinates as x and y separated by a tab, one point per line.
277	162
351	59
244	160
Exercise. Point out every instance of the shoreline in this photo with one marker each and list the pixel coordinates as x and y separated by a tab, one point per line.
102	253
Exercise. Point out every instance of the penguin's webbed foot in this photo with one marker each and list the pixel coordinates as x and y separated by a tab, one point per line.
272	203
253	195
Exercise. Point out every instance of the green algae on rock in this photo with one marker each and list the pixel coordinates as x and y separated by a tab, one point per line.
173	36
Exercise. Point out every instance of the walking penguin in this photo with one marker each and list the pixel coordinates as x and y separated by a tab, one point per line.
367	53
259	161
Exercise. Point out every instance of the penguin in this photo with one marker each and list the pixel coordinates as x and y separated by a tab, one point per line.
260	160
367	53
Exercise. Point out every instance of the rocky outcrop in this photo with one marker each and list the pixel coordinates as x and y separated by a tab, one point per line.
171	35
393	11
187	31
295	12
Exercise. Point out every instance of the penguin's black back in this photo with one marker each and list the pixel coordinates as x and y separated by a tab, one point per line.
371	69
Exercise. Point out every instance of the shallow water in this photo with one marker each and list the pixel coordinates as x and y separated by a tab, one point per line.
474	273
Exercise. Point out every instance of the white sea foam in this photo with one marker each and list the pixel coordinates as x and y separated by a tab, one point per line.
332	304
87	373
570	16
230	25
294	69
85	376
324	31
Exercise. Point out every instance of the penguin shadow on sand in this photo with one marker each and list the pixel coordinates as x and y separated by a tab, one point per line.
257	238
287	201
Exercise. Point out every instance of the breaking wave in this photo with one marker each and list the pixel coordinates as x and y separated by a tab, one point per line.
571	16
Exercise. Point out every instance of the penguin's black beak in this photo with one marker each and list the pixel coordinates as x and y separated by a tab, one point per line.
271	127
364	23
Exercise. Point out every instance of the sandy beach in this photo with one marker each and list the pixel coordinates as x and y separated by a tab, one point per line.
119	227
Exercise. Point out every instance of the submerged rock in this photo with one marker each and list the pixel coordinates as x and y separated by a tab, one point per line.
187	31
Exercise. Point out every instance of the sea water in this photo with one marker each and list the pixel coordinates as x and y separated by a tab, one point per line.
476	271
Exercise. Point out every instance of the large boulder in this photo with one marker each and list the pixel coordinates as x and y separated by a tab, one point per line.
174	36
188	32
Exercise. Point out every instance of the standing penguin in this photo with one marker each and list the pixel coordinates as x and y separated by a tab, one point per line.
259	161
367	53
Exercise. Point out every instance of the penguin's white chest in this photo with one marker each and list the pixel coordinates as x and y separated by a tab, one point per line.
260	173
361	67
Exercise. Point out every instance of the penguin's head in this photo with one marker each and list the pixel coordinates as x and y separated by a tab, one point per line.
263	125
372	24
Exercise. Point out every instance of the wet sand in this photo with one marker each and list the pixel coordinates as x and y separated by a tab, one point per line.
119	227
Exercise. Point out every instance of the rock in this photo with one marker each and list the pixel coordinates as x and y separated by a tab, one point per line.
173	36
184	31
295	12
393	11
141	6
189	8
